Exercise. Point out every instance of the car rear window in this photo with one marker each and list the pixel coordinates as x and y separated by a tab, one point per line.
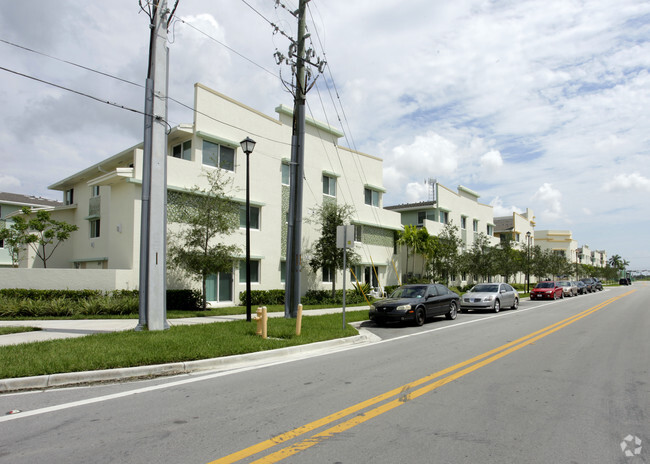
545	285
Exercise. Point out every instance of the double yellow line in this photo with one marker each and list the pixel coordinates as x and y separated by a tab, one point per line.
400	396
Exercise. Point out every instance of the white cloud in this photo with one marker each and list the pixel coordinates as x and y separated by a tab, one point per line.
549	201
491	162
9	183
628	183
501	210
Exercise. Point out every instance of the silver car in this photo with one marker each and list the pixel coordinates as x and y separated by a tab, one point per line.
568	288
490	296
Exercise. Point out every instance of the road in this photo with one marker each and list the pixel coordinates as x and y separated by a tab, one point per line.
563	381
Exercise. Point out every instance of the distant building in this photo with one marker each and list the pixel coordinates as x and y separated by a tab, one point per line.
11	203
460	208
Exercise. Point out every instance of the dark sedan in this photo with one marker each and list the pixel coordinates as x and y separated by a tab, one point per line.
415	303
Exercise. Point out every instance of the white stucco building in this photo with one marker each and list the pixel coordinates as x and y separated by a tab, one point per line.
104	200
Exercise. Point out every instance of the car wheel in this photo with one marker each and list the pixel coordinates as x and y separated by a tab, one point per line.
554	296
419	316
453	311
516	305
562	296
497	306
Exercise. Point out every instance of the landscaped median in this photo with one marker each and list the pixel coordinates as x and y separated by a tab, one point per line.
179	344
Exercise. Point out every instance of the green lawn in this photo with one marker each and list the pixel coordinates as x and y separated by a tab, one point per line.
179	343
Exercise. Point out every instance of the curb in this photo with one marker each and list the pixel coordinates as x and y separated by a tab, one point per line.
41	382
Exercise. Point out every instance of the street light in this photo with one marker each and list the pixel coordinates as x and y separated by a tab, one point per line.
528	235
247	145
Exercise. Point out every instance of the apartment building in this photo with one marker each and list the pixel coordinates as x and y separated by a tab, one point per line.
104	200
460	208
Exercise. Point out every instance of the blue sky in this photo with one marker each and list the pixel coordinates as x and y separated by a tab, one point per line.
532	104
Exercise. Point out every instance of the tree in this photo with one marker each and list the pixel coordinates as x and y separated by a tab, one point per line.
324	253
41	233
408	238
446	262
479	260
509	260
10	237
204	214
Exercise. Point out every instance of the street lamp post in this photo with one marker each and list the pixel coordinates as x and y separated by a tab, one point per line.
247	145
528	234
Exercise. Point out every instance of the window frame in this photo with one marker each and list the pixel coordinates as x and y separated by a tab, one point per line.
95	228
183	150
242	215
374	197
219	162
255	271
329	184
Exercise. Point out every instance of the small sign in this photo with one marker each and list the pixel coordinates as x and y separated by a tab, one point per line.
345	236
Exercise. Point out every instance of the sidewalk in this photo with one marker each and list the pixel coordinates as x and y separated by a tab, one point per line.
68	328
53	329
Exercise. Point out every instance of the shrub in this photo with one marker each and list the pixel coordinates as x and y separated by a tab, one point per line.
184	300
263	297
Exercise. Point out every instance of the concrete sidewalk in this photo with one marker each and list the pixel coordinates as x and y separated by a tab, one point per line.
53	329
69	328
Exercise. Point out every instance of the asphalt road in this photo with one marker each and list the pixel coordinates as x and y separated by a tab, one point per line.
554	382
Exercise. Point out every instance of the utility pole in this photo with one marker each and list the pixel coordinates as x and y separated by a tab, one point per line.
153	230
298	57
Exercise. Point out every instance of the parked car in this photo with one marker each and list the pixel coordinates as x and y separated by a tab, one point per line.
490	296
547	290
569	288
589	282
625	281
582	287
416	303
598	285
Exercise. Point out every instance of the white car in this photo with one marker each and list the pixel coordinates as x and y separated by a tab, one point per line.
568	288
490	296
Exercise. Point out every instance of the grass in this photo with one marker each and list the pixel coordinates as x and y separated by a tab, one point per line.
173	313
179	343
13	330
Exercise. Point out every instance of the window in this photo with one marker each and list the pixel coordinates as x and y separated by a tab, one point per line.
183	150
329	185
218	156
2	243
422	215
255	272
94	191
463	222
371	197
283	271
517	237
328	275
358	233
255	217
475	225
490	229
69	197
286	174
444	217
94	228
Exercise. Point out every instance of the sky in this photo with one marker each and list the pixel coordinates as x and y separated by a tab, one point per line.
532	104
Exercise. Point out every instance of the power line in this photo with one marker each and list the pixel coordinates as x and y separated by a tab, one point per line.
76	92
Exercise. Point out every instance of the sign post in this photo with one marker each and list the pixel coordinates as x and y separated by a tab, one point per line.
345	240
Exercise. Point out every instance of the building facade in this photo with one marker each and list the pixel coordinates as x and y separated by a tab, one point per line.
104	200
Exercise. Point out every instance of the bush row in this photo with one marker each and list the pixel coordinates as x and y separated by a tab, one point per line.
71	303
312	297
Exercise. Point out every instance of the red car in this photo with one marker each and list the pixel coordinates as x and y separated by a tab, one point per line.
546	290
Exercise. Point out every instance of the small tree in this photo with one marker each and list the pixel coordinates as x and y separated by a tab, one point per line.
10	237
324	253
41	233
203	215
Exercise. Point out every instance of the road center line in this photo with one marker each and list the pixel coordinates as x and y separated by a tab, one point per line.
404	392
